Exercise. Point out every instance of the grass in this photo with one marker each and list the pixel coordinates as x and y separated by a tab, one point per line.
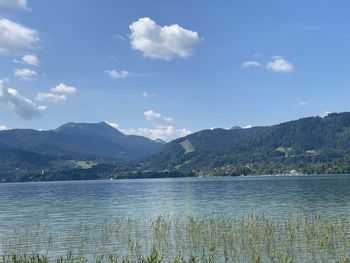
73	164
84	164
180	165
288	152
187	146
199	239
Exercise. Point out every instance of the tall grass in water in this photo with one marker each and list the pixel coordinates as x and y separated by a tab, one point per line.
192	239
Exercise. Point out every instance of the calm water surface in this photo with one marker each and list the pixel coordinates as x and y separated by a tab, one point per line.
60	205
56	217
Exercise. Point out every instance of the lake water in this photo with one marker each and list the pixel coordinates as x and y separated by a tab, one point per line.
63	205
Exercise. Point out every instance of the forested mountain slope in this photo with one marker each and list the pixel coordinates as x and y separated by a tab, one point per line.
305	140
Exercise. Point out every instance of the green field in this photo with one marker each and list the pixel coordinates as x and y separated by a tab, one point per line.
188	147
73	164
287	151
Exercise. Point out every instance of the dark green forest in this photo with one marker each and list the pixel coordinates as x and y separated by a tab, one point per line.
314	145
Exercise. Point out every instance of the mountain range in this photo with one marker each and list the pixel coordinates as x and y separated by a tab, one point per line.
300	144
84	142
307	140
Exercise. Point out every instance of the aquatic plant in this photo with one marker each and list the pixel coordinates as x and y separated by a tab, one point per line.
252	238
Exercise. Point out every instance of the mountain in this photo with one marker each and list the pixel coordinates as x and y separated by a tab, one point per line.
72	141
304	141
236	128
104	140
160	141
98	151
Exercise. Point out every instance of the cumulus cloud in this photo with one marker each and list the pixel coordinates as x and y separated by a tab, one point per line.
166	133
12	4
25	74
117	74
52	97
28	59
21	106
158	42
64	89
31	60
15	38
279	64
161	130
248	126
3	128
58	94
151	115
113	124
250	64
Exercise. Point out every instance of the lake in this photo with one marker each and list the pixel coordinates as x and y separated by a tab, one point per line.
60	206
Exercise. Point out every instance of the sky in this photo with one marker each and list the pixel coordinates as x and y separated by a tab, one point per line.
165	68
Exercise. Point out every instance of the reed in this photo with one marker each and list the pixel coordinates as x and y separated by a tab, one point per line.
252	238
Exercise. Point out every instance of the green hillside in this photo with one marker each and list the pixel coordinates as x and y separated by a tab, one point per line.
71	146
295	143
95	151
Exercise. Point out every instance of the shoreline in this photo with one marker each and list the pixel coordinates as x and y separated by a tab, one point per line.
179	177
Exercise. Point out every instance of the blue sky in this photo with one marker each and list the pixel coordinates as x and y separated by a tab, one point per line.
166	68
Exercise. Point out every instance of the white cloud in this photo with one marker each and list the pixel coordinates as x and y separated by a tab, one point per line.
25	74
248	126
3	80
113	124
29	59
117	74
15	38
64	89
58	94
166	133
146	94
151	115
276	57
279	64
303	104
22	107
249	64
158	42
161	130
3	128
256	55
324	114
10	4
119	37
56	98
